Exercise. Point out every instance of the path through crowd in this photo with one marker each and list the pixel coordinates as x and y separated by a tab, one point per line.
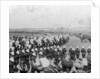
74	42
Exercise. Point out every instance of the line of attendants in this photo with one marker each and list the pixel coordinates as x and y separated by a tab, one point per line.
45	54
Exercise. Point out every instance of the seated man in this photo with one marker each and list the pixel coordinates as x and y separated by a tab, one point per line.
77	66
67	63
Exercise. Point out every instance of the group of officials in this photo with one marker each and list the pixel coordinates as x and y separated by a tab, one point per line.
46	54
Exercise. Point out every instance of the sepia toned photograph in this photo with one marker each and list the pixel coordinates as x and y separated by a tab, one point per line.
49	39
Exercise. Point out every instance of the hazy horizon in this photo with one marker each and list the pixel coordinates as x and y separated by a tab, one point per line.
47	16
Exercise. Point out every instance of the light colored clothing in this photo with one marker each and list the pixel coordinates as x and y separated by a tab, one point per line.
78	64
37	62
84	61
45	62
18	67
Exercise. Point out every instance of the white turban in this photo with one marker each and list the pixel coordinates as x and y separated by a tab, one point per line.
32	50
40	53
17	52
23	51
40	48
27	50
12	59
55	49
36	49
12	53
34	54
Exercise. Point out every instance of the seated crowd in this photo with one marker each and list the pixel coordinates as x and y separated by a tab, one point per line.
45	54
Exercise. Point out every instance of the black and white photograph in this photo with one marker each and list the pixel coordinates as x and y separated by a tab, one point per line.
59	37
50	39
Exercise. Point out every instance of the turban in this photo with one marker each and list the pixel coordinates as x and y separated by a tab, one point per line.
12	59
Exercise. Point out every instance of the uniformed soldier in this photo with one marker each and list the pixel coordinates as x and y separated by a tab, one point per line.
77	52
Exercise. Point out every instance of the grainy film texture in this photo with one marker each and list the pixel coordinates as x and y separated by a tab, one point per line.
50	39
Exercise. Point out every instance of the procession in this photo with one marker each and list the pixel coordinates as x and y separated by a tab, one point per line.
47	53
49	39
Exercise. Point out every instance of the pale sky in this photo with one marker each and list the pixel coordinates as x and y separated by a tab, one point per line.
47	16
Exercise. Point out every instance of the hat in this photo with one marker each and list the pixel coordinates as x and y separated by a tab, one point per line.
23	51
57	46
34	54
44	48
60	49
35	49
40	48
12	53
51	47
12	59
17	52
32	50
55	49
40	53
47	47
27	50
29	46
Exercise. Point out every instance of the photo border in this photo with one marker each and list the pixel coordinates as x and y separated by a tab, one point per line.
7	35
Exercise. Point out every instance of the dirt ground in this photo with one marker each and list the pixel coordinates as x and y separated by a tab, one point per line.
74	42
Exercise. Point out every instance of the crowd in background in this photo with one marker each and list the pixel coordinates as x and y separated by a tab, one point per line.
46	54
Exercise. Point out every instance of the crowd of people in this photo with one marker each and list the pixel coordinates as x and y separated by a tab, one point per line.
47	54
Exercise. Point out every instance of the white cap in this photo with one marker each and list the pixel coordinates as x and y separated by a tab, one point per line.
12	59
60	49
23	51
12	53
40	48
55	49
29	46
40	53
36	49
34	54
27	50
32	50
47	47
44	48
51	47
17	52
57	46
